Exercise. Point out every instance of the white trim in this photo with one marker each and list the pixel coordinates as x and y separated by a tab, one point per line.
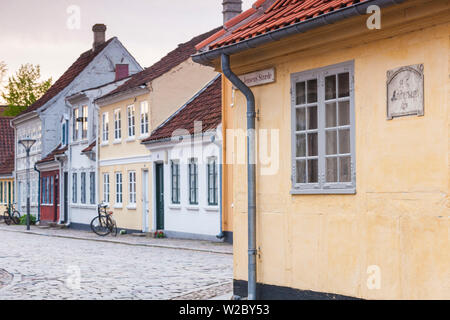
132	206
127	160
118	206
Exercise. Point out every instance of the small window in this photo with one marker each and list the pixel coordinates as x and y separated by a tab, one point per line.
212	174
74	188
175	172
84	119
75	124
119	189
193	181
105	127
1	192
106	187
131	121
132	187
83	187
92	187
322	131
144	118
117	125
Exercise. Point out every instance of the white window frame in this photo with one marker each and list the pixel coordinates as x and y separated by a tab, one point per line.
132	188
119	188
106	186
117	125
75	124
85	122
105	127
144	119
322	186
131	121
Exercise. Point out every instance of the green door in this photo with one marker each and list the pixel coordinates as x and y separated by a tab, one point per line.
159	196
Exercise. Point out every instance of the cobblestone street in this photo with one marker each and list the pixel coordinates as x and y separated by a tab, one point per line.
39	266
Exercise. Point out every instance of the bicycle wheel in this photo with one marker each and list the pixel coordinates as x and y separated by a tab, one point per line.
6	218
100	226
15	217
113	228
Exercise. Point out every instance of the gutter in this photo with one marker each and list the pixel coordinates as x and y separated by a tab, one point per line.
358	9
251	172
38	218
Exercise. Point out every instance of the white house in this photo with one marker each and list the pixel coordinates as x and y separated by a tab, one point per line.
186	157
47	121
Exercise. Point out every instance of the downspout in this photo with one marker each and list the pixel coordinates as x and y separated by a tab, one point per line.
38	219
221	235
251	172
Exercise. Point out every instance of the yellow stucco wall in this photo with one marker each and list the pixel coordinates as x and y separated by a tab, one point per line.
399	217
166	95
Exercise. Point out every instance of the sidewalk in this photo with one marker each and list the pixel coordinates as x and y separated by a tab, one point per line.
128	239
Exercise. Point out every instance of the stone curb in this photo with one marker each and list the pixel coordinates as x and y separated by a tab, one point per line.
119	242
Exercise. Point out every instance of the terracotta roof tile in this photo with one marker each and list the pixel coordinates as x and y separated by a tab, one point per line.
51	156
66	79
6	146
278	14
90	147
206	107
170	61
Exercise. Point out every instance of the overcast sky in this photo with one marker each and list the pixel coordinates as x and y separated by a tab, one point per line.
46	32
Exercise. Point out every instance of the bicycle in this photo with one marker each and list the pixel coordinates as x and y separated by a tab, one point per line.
11	215
103	224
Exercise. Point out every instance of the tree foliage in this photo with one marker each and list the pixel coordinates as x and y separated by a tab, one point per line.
24	88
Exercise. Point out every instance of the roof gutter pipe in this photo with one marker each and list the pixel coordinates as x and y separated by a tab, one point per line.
251	172
358	9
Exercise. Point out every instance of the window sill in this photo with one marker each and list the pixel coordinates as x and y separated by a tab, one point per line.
212	209
118	206
117	141
193	207
145	136
174	206
322	191
83	206
104	144
130	139
132	207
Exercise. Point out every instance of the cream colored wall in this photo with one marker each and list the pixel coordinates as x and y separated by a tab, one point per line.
399	217
4	204
173	89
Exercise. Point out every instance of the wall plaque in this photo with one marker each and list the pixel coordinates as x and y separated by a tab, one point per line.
258	77
405	91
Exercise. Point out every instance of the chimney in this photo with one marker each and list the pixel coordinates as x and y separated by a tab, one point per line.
121	71
231	8
99	35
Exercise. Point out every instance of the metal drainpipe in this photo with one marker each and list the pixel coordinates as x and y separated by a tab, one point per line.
251	172
38	219
221	235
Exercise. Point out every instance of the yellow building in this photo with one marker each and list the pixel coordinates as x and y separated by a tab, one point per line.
354	199
6	164
127	116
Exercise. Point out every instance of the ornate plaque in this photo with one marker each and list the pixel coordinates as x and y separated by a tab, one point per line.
405	91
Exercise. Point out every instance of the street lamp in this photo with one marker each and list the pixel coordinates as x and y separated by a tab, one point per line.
27	143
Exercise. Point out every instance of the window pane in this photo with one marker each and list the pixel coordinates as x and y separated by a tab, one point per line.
330	115
312	118
330	87
312	144
312	91
344	85
301	171
301	145
344	141
344	113
331	142
300	93
313	171
301	119
331	169
344	169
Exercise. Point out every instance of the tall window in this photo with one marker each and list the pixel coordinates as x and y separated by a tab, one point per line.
212	174
74	188
131	122
105	127
117	125
106	187
144	118
193	181
75	124
1	192
119	198
92	187
83	187
323	130
132	187
84	132
47	190
175	172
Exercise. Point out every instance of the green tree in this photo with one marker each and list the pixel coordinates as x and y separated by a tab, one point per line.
24	89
